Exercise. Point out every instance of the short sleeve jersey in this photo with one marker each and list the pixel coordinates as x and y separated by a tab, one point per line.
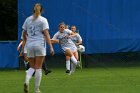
35	28
64	40
76	38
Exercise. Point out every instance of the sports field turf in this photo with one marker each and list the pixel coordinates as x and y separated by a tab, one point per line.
89	80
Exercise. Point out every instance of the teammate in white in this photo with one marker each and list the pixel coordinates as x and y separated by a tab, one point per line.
63	37
23	54
36	27
77	38
23	51
77	41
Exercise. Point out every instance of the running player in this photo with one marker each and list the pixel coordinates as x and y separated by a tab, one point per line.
63	36
77	41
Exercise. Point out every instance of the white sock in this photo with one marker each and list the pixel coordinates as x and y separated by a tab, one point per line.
68	64
38	76
73	59
73	67
29	74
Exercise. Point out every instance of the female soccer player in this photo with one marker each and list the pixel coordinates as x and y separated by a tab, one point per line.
23	53
36	27
77	41
63	36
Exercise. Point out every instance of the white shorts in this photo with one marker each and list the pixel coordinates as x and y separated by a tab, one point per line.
73	49
33	51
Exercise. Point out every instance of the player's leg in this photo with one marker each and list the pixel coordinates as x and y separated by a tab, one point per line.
76	55
38	74
73	66
40	53
74	63
26	61
67	64
45	68
70	54
31	70
29	74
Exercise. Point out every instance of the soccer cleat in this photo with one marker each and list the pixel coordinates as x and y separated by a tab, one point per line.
26	88
67	71
37	91
47	72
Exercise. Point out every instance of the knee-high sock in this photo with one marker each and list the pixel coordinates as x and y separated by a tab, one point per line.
38	76
29	74
73	67
68	64
73	59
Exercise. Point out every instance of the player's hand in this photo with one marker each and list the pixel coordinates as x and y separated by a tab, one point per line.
51	51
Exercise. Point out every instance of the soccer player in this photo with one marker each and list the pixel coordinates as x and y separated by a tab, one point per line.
77	41
67	62
63	36
36	27
77	38
23	53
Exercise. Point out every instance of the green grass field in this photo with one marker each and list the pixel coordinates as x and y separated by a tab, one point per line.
88	80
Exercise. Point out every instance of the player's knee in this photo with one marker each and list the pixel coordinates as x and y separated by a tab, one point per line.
68	52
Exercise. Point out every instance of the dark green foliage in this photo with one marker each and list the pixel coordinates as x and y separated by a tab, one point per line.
8	20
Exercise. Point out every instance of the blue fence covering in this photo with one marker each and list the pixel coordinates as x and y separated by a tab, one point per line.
8	55
106	26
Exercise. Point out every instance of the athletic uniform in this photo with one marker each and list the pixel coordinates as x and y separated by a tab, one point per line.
25	48
76	38
36	43
65	41
27	63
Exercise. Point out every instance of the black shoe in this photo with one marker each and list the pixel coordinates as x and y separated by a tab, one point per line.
26	88
67	71
47	72
33	74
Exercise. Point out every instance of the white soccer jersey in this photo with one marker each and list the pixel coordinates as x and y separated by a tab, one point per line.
64	40
76	38
34	28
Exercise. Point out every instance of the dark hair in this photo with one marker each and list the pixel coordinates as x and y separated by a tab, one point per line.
41	10
73	26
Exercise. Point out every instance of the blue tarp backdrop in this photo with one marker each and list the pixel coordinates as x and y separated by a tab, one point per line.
8	55
106	26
